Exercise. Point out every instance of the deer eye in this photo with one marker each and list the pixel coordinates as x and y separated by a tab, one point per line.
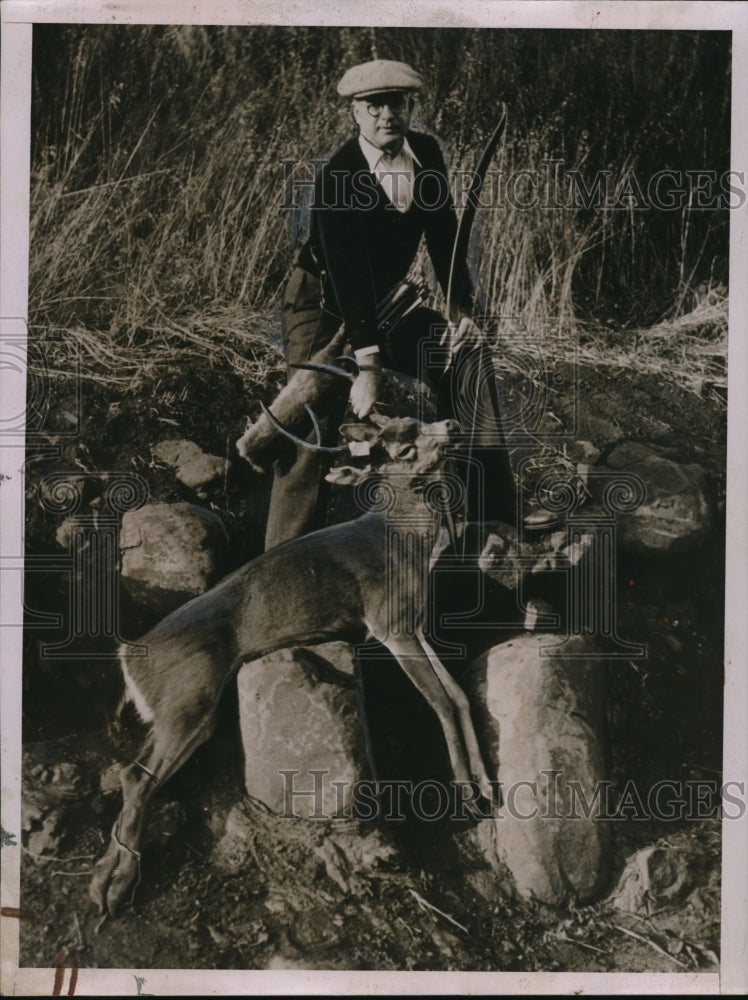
406	452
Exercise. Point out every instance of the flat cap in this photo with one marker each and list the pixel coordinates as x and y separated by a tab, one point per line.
378	77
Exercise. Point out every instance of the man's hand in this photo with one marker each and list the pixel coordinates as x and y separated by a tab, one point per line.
468	332
365	389
460	333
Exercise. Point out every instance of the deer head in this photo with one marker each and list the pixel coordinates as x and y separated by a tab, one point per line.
395	445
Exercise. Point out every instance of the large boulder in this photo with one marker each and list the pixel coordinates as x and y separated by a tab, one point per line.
676	514
541	712
171	552
294	720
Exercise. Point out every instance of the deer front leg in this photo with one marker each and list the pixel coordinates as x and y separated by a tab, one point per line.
462	707
418	667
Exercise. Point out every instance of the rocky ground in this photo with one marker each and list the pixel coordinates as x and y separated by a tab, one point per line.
225	884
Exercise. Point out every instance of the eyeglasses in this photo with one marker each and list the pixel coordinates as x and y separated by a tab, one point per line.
397	103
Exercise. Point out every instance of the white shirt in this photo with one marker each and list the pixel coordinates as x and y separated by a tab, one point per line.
394	173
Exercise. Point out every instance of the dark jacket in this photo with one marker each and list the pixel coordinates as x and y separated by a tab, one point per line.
362	247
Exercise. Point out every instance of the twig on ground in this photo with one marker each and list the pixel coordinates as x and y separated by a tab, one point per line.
56	857
650	942
582	944
407	926
425	905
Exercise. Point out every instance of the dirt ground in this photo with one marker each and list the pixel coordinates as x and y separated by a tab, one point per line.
225	886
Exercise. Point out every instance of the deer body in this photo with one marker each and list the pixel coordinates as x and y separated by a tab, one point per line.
331	584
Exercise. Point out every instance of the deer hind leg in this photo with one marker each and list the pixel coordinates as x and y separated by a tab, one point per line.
462	709
118	873
417	665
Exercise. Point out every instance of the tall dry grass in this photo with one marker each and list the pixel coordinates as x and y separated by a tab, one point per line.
157	222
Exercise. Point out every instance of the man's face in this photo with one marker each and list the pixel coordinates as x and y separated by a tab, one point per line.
384	118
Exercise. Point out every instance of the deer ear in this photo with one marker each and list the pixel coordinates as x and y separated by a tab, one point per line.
379	419
347	475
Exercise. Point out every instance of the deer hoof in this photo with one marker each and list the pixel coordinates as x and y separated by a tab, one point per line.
115	881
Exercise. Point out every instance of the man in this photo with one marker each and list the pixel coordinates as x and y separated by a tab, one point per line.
374	200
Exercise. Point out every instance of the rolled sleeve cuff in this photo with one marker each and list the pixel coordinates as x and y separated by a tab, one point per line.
365	352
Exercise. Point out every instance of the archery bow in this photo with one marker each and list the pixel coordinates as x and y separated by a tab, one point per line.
462	237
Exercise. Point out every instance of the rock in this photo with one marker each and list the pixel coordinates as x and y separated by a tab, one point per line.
171	553
510	563
653	878
65	532
628	454
543	721
194	467
598	430
110	778
233	850
675	515
291	720
350	853
51	804
583	451
90	528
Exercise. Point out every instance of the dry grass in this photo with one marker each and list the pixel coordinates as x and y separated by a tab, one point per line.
158	232
248	345
691	349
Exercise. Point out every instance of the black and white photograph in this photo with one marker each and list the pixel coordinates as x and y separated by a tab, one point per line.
373	502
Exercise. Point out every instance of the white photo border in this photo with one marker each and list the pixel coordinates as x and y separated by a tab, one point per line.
18	17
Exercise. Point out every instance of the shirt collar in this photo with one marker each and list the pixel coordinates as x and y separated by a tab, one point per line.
375	156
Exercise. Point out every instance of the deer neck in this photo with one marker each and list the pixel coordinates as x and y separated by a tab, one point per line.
408	505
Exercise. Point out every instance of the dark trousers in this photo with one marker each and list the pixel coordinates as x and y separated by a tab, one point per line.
465	392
